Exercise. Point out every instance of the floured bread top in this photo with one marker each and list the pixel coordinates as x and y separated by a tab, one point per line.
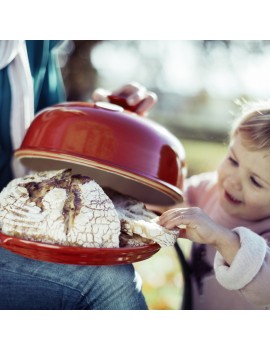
61	208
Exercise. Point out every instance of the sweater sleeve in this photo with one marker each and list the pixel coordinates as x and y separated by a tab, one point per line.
249	272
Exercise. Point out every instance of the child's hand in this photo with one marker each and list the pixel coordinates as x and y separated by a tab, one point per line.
136	97
200	228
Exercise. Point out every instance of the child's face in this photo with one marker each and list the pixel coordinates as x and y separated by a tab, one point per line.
244	182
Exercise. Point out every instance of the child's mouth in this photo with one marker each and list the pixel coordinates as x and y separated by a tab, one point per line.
231	199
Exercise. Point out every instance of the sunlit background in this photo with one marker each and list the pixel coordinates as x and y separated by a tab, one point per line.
197	82
199	85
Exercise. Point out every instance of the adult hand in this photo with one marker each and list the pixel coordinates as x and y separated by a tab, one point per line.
136	96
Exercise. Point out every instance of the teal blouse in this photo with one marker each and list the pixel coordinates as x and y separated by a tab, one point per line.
48	90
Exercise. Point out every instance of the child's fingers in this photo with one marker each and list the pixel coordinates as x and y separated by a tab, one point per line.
171	214
180	221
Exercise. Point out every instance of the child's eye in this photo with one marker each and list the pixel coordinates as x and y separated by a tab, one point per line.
254	181
233	161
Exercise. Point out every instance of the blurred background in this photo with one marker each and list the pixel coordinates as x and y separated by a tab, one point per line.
199	84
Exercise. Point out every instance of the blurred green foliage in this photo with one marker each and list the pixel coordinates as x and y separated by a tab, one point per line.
203	156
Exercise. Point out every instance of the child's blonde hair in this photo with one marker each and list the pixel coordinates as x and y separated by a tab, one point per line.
254	125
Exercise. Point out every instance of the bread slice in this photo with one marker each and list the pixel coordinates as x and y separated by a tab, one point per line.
138	222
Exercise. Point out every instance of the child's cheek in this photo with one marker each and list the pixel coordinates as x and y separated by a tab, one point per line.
254	203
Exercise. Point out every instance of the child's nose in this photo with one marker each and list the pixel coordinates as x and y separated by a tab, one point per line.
236	183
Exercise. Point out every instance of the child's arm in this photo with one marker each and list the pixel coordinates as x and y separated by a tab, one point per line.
243	259
200	228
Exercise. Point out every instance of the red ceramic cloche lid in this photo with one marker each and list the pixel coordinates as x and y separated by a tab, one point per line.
117	148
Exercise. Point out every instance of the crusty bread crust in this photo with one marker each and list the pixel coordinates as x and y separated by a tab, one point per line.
58	207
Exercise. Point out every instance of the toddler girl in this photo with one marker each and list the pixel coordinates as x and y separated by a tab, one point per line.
227	215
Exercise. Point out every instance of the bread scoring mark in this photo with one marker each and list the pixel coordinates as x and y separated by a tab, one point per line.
38	189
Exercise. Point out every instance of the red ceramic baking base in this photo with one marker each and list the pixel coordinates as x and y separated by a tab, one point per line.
77	255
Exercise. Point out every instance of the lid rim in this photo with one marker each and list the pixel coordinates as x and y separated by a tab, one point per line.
168	189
